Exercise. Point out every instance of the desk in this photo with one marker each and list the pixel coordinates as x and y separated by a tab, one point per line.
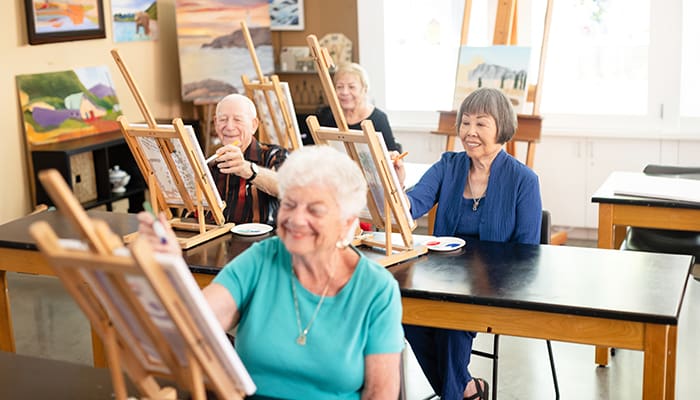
519	290
23	377
616	213
544	292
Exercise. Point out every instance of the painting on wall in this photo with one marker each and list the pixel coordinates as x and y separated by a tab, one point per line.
58	106
212	49
134	20
500	67
51	21
287	15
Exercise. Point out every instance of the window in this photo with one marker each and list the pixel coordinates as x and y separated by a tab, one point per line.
612	65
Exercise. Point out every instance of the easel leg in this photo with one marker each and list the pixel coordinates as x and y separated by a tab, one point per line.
7	338
99	358
115	369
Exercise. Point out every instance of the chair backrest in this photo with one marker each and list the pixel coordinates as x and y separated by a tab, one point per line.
546	230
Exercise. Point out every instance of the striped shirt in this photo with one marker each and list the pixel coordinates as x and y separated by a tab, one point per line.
244	202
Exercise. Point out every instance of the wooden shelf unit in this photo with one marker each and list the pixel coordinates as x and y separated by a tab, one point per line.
85	164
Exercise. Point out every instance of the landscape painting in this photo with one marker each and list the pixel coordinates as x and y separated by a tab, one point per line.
134	20
500	67
212	49
58	106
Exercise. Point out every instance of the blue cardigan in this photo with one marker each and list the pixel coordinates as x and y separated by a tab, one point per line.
512	212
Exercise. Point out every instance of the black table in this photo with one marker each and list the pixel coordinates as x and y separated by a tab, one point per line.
603	297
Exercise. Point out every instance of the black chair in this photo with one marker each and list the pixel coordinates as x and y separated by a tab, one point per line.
663	240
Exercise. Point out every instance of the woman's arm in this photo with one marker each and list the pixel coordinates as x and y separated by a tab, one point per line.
223	305
382	376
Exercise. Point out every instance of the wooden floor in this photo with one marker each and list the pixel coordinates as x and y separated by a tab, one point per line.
48	324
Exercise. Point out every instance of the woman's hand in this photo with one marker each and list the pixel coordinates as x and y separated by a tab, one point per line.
232	161
162	239
398	166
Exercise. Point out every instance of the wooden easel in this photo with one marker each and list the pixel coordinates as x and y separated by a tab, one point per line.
169	139
505	33
136	309
285	129
392	202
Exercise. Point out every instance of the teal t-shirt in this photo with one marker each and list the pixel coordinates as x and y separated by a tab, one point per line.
363	318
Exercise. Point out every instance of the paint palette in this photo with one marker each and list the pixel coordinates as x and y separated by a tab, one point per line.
445	243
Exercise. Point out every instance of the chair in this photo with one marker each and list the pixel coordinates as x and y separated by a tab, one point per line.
663	240
545	236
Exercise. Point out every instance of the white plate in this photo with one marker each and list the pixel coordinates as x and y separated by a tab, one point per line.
251	229
445	243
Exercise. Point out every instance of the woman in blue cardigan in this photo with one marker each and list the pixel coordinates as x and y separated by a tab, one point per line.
482	193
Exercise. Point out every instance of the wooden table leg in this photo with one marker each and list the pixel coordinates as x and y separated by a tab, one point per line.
671	363
7	338
656	358
606	240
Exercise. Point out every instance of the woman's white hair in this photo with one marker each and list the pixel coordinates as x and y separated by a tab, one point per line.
325	166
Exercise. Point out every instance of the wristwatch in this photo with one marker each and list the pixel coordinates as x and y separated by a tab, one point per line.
254	170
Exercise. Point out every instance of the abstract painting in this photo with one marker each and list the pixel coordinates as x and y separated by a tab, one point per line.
51	21
64	105
134	20
287	15
212	49
500	67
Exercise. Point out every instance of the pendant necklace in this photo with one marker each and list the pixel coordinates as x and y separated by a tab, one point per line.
301	339
476	199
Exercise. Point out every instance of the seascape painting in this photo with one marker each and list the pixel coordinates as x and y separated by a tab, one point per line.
64	105
212	49
500	67
134	20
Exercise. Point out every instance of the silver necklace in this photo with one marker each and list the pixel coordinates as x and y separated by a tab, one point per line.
301	339
476	200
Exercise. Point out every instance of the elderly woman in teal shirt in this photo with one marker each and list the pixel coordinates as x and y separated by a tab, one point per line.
315	318
482	193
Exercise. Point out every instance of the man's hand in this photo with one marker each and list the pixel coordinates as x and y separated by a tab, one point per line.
231	161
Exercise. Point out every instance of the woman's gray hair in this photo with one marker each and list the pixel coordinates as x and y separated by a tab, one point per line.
353	69
325	166
494	103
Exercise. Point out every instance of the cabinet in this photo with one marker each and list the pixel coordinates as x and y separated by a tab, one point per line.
85	164
572	168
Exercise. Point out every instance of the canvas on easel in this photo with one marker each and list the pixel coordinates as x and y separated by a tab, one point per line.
146	307
273	101
175	170
388	206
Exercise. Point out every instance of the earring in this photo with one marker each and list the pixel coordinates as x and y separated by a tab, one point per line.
341	244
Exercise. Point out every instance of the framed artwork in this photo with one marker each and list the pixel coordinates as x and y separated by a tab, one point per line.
212	49
63	105
52	21
499	67
134	20
287	15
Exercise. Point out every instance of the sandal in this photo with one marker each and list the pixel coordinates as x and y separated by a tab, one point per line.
482	390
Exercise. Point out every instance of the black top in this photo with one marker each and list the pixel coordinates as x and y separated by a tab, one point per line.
614	284
379	120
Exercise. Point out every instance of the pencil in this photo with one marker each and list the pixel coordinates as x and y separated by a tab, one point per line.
157	226
400	156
